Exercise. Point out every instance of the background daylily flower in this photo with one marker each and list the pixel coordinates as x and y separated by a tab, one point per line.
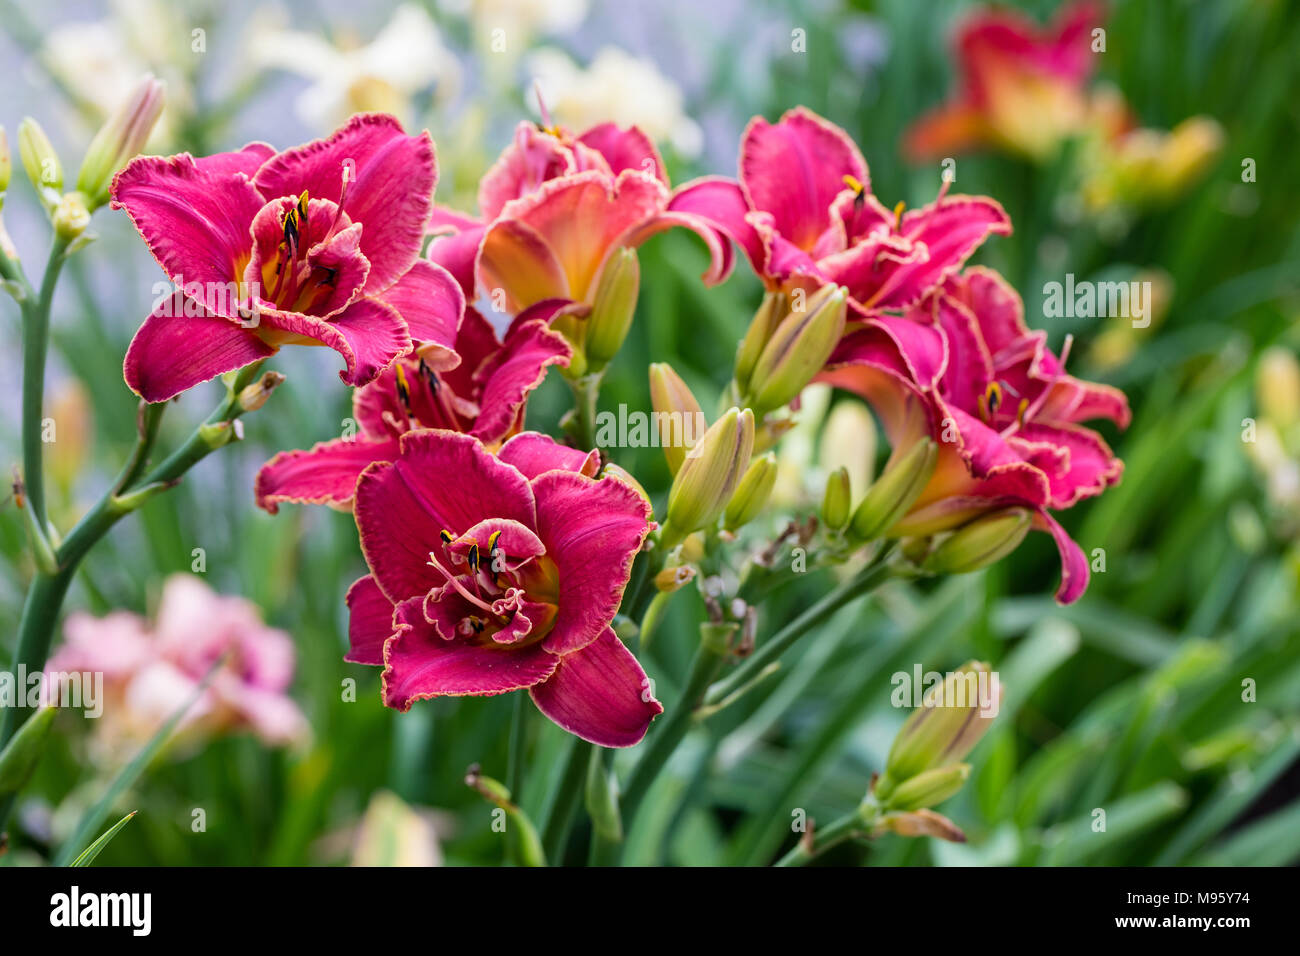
151	671
480	390
318	245
1022	87
490	574
554	208
803	213
964	369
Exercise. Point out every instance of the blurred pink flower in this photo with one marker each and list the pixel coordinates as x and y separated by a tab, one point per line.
317	245
491	574
803	212
151	672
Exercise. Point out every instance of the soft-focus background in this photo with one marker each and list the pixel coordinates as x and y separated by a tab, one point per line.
1131	701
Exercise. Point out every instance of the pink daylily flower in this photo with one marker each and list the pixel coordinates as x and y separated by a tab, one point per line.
151	671
317	245
480	389
496	573
1022	88
552	210
803	213
963	368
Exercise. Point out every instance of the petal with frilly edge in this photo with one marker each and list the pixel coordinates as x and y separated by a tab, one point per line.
510	375
246	161
419	663
600	693
368	334
370	622
391	177
1074	563
1091	466
195	220
441	481
533	453
325	474
592	531
173	351
795	168
431	302
625	148
721	203
457	252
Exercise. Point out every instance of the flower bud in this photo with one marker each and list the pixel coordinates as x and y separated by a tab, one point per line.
1277	387
894	492
930	788
41	162
837	502
952	718
773	308
677	417
6	164
672	579
121	137
752	493
709	475
252	397
798	349
613	308
980	543
919	823
848	440
70	216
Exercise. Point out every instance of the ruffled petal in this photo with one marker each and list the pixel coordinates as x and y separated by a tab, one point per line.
391	178
180	345
431	302
369	335
509	376
441	481
325	474
592	531
600	693
419	663
533	454
721	203
625	148
370	622
1074	563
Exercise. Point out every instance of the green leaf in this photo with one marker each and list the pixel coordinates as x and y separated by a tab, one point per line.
88	855
19	758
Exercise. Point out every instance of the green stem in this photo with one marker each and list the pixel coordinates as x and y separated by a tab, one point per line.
557	815
36	345
606	846
515	757
586	393
865	580
857	823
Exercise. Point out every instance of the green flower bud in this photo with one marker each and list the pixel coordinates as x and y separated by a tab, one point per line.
6	164
952	718
41	162
709	476
774	308
837	503
612	311
751	494
119	139
980	543
894	492
930	788
677	415
70	217
798	349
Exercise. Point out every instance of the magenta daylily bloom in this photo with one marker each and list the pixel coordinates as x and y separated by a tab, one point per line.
480	389
490	574
552	210
317	245
803	213
963	368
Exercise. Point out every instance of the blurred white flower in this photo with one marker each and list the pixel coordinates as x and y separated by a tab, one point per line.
616	86
530	17
101	61
406	57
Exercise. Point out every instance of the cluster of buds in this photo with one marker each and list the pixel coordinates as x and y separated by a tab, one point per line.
788	342
122	136
925	765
